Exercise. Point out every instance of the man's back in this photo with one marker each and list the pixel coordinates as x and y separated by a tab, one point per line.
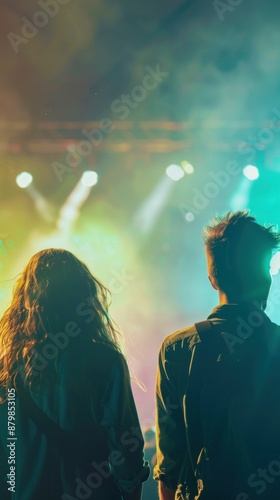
214	400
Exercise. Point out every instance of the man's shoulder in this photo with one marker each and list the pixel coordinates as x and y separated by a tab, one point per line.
181	339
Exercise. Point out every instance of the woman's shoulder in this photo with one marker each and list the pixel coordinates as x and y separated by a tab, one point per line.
103	357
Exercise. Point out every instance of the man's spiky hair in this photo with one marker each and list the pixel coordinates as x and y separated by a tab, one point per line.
234	241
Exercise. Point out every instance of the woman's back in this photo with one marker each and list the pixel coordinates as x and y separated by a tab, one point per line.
77	428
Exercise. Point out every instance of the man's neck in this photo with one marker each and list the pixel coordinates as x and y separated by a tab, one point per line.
225	299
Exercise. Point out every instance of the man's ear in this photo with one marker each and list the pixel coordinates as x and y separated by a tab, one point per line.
213	283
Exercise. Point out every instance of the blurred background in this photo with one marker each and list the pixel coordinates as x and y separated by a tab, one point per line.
124	127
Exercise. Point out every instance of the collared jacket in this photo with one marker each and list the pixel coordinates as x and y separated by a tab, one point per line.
184	418
94	400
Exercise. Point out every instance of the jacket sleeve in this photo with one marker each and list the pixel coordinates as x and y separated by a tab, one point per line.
171	430
121	424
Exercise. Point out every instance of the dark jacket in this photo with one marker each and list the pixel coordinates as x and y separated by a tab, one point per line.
96	405
194	409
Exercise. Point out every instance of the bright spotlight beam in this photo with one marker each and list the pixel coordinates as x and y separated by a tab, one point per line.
241	197
148	213
41	204
25	181
70	210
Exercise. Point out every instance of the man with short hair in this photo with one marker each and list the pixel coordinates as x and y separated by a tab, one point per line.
218	382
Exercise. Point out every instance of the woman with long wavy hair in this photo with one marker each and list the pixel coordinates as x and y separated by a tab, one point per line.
69	427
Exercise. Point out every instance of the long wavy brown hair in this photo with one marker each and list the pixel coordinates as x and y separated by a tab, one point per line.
54	289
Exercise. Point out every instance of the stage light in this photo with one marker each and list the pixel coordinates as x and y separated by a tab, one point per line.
89	178
189	217
187	166
275	264
251	172
24	180
175	172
